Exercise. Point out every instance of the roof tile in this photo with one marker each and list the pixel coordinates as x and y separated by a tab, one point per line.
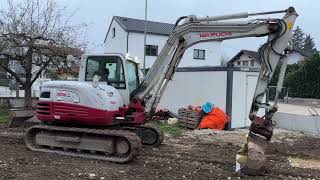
137	25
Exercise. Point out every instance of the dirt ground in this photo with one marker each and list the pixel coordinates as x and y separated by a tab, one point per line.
199	154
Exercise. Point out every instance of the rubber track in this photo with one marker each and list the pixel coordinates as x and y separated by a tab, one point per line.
158	132
133	139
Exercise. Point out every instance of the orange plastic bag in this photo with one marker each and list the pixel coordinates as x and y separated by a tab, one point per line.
216	119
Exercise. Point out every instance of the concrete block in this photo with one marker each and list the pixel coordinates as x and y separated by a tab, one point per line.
17	117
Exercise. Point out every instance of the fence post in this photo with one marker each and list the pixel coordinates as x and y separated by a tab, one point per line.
229	94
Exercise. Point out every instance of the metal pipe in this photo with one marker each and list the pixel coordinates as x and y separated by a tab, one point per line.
225	17
237	16
145	37
268	12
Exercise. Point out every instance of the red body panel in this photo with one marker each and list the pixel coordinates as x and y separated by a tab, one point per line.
74	113
67	112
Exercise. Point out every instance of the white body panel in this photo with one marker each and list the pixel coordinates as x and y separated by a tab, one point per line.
87	95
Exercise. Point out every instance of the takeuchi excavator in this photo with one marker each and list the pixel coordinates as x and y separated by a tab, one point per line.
103	115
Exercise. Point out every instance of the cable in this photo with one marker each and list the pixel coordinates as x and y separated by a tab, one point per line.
177	22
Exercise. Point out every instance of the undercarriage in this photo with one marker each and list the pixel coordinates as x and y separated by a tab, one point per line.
118	145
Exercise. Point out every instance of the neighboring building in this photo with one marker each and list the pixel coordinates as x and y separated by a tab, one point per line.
296	56
246	58
251	59
126	35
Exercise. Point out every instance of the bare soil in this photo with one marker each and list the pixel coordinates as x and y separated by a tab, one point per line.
203	154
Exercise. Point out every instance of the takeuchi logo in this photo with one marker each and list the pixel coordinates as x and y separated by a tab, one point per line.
215	34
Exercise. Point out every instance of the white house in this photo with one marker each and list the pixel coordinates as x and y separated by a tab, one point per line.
246	58
126	35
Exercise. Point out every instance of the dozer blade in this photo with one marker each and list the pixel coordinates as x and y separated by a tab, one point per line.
111	145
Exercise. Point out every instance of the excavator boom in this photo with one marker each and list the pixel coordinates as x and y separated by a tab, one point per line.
196	30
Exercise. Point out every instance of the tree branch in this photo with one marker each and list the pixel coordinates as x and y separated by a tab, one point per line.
15	75
40	71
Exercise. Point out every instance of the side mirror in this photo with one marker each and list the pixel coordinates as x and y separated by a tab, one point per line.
95	81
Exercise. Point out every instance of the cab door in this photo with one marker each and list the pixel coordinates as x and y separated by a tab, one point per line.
132	75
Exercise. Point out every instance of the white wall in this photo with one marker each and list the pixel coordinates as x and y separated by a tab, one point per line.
212	50
118	44
244	84
297	122
212	55
136	42
195	88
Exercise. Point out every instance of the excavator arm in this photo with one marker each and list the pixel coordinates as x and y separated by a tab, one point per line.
196	30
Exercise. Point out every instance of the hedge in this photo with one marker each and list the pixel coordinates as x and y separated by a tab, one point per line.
305	81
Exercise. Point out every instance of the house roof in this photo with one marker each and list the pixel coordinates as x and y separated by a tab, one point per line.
137	25
253	54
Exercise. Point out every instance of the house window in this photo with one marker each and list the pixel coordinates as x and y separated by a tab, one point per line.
245	63
252	63
199	54
239	63
151	50
113	32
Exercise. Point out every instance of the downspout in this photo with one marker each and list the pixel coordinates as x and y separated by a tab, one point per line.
128	42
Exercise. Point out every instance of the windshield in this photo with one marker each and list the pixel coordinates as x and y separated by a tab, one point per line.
108	68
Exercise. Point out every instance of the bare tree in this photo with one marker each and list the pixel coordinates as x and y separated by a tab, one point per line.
224	59
36	35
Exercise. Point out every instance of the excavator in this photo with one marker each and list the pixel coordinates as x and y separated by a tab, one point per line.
103	115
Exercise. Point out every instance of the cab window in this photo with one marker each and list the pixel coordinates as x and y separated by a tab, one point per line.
133	78
108	68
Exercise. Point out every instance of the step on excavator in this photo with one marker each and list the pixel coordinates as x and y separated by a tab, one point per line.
103	115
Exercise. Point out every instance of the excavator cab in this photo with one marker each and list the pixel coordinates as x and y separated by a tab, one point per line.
116	70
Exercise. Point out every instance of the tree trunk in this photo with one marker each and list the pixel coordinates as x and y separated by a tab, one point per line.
17	89
27	96
28	83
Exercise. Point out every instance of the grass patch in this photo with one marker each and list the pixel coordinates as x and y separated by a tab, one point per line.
174	130
4	116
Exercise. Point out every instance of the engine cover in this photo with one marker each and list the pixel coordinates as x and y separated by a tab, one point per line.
79	102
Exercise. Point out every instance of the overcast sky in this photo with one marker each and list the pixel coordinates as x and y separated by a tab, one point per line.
98	14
